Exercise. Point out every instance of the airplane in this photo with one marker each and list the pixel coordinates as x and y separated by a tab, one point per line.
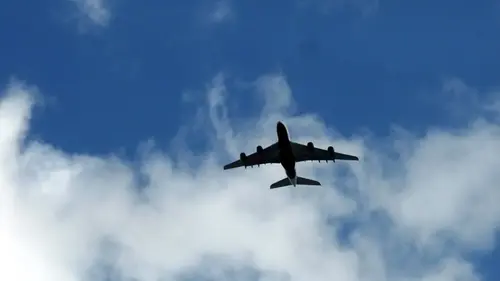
287	153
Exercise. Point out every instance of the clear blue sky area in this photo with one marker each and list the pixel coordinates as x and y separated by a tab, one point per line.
360	65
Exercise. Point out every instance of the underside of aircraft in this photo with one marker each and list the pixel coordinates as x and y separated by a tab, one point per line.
287	153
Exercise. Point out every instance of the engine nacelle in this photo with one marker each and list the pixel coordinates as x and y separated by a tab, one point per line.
243	157
331	151
310	145
259	149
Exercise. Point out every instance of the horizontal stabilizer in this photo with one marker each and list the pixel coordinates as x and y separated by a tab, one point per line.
281	183
300	181
304	181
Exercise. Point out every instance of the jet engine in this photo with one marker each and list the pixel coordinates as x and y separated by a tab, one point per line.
259	149
331	151
310	145
243	157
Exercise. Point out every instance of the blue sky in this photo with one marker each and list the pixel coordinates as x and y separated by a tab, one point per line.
147	55
112	75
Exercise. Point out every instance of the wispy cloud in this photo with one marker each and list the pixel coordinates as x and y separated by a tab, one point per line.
74	217
96	11
222	11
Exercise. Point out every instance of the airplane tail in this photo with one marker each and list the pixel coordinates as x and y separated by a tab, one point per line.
300	181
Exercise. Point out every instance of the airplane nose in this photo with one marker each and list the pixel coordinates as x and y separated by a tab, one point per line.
280	125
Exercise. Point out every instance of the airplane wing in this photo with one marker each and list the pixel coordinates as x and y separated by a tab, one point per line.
310	153
269	155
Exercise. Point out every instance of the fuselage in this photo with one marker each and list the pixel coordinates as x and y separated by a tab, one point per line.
287	158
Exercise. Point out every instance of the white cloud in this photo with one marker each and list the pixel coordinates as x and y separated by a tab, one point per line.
463	101
59	212
96	11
